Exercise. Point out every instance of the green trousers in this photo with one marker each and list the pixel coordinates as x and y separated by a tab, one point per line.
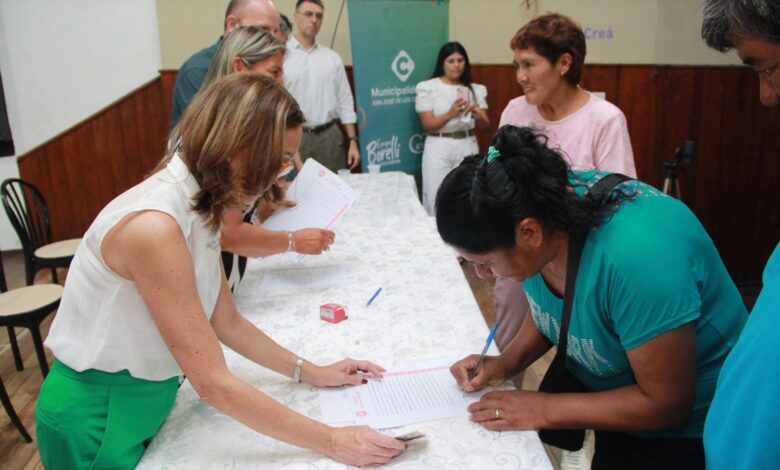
97	420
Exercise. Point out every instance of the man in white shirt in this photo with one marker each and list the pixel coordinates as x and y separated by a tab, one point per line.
315	76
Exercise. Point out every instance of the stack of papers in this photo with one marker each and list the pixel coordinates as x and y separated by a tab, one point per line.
322	199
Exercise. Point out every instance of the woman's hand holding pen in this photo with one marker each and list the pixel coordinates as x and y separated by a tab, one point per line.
344	372
491	372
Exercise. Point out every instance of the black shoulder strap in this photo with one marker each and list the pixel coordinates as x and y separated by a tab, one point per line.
601	190
598	192
576	243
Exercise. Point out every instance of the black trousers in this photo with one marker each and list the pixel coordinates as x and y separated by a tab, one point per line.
615	450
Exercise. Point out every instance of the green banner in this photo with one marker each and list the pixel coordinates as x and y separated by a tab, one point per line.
394	46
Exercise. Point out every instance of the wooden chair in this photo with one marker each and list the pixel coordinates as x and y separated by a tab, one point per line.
29	215
11	413
27	307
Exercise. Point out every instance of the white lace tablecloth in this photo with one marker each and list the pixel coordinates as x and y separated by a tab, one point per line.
425	311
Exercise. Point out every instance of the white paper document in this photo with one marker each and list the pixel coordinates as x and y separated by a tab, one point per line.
405	395
278	282
322	199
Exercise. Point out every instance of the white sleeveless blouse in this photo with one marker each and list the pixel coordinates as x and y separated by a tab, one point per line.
103	322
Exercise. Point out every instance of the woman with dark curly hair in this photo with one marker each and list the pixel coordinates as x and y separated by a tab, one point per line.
653	315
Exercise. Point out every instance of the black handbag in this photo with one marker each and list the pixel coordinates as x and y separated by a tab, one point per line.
558	379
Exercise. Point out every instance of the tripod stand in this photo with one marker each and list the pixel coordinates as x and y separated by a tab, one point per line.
671	182
683	156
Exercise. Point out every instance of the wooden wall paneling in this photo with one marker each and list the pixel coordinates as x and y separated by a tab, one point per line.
88	176
152	124
756	166
636	95
694	132
739	170
105	155
742	168
167	82
75	169
675	96
61	207
483	76
144	128
502	87
163	124
768	122
716	206
36	170
140	159
767	191
711	143
603	78
117	151
131	141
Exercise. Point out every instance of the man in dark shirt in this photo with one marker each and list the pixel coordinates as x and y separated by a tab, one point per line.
262	13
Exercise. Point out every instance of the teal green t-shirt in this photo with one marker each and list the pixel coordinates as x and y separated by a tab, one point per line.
648	269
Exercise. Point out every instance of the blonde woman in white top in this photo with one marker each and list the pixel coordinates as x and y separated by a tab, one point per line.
147	301
449	106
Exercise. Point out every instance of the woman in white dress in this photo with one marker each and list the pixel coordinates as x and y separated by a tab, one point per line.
450	106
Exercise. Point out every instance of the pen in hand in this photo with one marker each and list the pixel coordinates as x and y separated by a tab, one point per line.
475	370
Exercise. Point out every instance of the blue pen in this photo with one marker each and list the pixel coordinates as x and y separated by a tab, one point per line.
373	296
475	370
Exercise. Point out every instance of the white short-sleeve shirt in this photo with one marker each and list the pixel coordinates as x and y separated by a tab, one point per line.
437	96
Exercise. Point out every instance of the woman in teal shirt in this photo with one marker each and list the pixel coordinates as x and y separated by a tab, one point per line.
654	315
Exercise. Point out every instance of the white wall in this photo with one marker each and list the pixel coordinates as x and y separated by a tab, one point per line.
62	61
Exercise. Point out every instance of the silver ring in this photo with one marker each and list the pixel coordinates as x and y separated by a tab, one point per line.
498	414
